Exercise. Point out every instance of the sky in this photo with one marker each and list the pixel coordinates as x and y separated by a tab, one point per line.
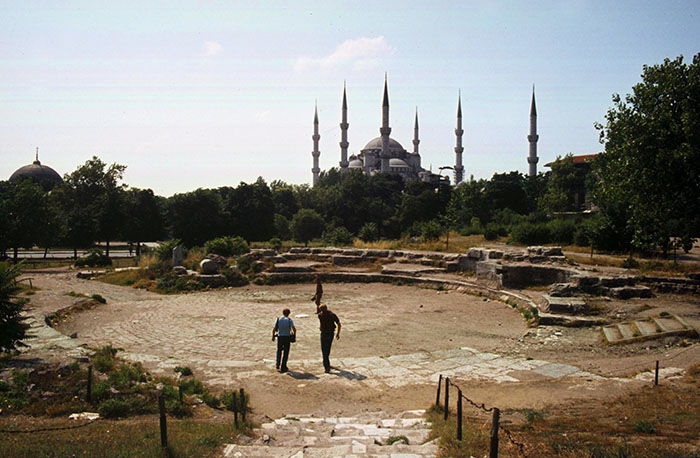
202	94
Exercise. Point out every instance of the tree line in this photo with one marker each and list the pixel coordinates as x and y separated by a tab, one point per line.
644	185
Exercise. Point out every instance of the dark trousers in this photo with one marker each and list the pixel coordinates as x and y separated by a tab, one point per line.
326	342
283	345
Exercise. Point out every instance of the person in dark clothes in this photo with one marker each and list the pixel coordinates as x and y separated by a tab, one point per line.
319	293
283	330
328	321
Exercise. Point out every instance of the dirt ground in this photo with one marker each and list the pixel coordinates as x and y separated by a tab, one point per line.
225	337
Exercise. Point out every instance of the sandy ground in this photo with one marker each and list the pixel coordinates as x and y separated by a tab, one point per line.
394	342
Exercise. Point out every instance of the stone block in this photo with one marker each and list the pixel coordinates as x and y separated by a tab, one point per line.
300	250
208	267
177	256
475	253
495	254
275	259
563	290
536	258
615	282
628	292
452	266
179	270
566	305
378	253
343	260
552	251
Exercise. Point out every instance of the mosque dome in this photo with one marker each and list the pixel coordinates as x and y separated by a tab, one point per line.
396	163
43	175
355	164
376	144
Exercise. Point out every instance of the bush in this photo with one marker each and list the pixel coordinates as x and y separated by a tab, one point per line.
530	234
233	278
113	408
233	402
191	386
492	231
245	263
94	258
369	233
103	359
644	426
562	231
164	251
99	298
13	329
630	263
211	400
227	246
101	391
122	377
275	244
430	230
338	236
184	371
282	228
172	283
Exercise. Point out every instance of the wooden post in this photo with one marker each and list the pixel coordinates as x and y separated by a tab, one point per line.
243	405
656	374
494	433
89	384
234	401
437	398
163	425
459	414
447	397
179	392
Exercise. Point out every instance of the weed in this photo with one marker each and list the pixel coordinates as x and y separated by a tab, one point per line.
184	371
113	408
393	439
103	360
644	426
533	415
99	298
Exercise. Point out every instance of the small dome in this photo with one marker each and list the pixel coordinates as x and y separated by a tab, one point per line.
377	144
355	164
42	174
396	163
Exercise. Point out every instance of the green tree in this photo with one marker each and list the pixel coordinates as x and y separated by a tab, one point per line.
92	203
250	210
28	214
13	329
196	216
307	225
565	187
651	162
145	220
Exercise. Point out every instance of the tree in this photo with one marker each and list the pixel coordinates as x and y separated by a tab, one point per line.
92	203
566	186
651	162
13	329
28	214
196	216
307	225
144	216
250	210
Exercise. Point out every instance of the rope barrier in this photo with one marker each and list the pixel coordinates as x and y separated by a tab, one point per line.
59	428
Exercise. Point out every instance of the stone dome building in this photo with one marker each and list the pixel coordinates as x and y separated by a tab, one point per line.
385	154
43	175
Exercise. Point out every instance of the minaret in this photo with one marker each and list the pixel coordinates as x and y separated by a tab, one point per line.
315	153
533	137
36	161
344	135
385	130
415	134
459	168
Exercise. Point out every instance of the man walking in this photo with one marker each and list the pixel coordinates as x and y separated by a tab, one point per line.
328	321
283	330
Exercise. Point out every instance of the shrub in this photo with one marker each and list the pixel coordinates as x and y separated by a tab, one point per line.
275	244
233	402
492	231
164	251
103	359
233	278
172	283
99	298
338	236
191	386
178	409
13	329
630	263
94	258
113	408
282	229
122	377
227	246
530	234
644	426
100	391
430	230
393	439
184	371
211	400
369	233
245	263
562	231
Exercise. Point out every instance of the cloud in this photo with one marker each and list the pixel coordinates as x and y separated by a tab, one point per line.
360	54
211	48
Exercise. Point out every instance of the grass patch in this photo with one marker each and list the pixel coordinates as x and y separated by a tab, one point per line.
475	438
394	439
138	437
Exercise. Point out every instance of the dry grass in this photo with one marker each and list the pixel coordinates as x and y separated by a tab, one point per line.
457	244
194	256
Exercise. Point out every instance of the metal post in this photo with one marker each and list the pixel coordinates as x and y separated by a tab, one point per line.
656	374
447	397
243	404
494	433
179	392
89	384
459	414
234	401
163	425
437	398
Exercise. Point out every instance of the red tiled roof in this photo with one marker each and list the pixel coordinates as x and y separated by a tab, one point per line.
580	159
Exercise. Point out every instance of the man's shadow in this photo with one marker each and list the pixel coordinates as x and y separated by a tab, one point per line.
302	375
347	374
